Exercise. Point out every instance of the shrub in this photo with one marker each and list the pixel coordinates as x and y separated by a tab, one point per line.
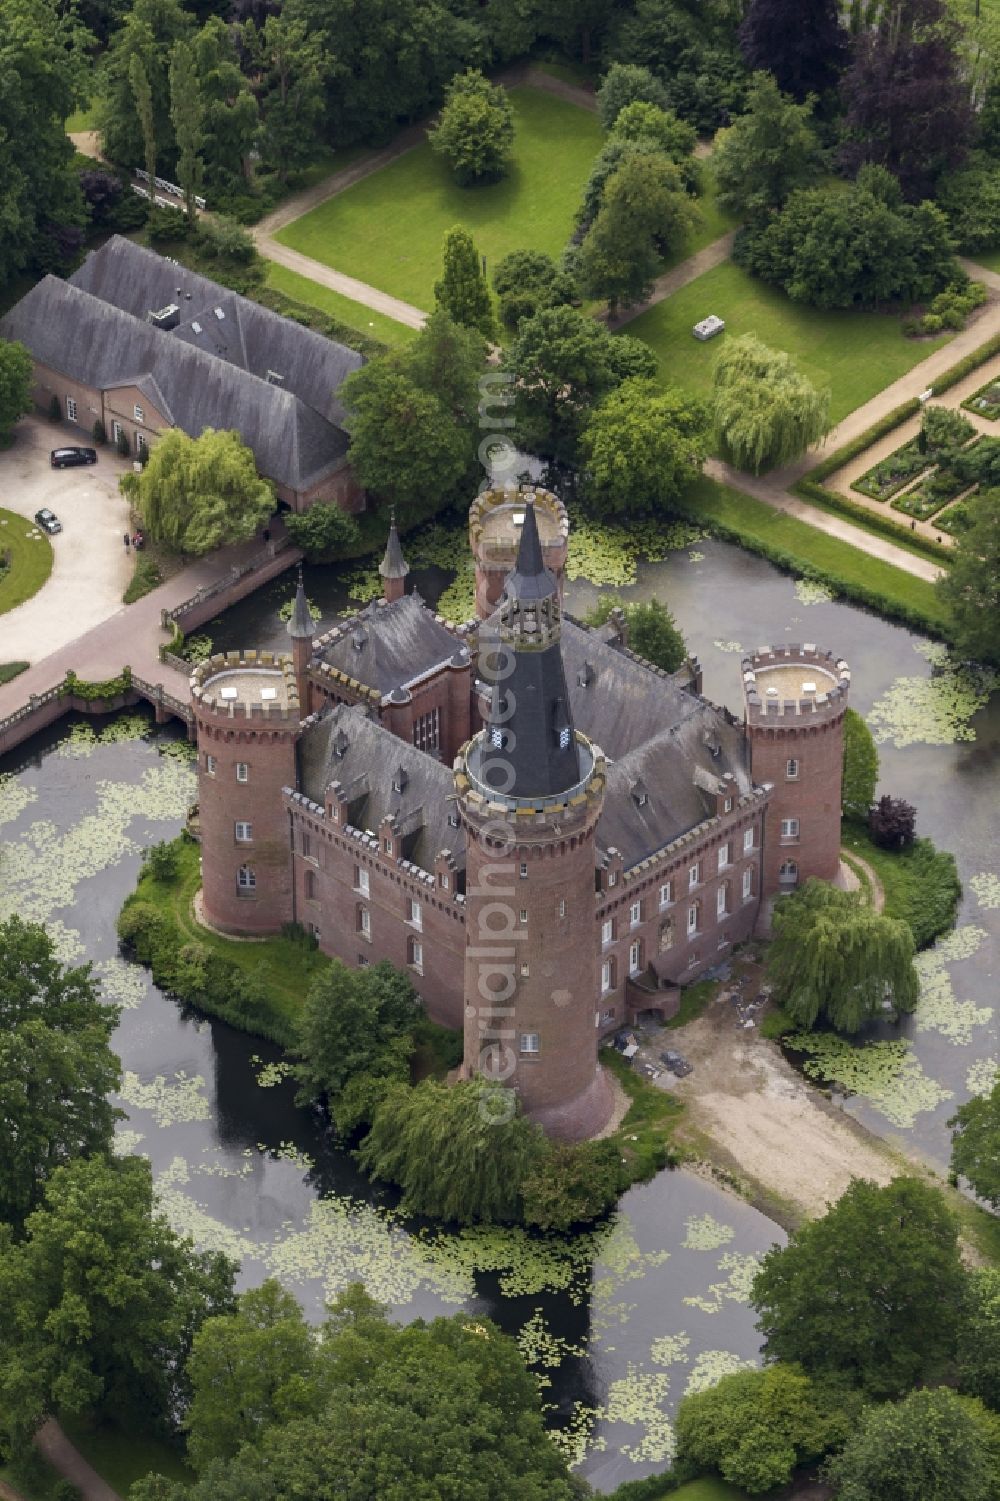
164	225
123	445
160	860
892	823
147	576
65	1490
921	883
625	84
99	432
572	1185
55	410
220	236
324	531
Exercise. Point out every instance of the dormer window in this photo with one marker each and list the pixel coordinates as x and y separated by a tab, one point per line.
400	780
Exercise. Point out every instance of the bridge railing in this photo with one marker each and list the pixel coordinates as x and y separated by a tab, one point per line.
219	586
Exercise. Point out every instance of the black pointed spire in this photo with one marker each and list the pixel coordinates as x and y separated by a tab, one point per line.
530	579
301	624
393	565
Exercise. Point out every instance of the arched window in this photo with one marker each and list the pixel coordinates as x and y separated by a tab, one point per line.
693	918
666	935
246	880
722	899
788	873
310	885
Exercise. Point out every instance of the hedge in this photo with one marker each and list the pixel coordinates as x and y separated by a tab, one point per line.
872	521
848	451
921	883
965	367
94	692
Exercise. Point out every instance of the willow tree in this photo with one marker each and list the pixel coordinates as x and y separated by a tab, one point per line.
766	411
835	960
196	494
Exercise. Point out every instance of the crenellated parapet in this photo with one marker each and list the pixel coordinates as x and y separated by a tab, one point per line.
793	683
496	519
258	686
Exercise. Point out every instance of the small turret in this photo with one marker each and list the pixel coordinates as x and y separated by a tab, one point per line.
393	566
300	628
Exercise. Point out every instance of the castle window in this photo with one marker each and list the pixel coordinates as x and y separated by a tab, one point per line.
525	971
524	914
363	961
788	873
666	935
612	878
635	958
564	738
748	883
562	906
454	821
727	806
387	846
608	975
361	880
791	768
694	875
415	955
722	900
635	914
314	930
725	853
310	885
427	731
306	845
138	413
496	737
445	881
607	932
246	881
523	870
365	923
242	771
416	914
607	1016
117	432
747	840
693	915
789	828
244	833
666	893
210	765
141	445
70	409
529	1042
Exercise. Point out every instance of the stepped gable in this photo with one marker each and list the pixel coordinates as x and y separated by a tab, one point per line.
388	646
251	337
347	747
624	701
667	786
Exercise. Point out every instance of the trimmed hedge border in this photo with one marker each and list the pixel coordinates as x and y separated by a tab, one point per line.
871	521
965	367
879	429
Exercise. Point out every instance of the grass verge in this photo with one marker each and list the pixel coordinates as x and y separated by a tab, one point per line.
146	577
123	1458
11	670
800	548
645	1135
694	999
388	229
921	883
28	559
855	354
365	322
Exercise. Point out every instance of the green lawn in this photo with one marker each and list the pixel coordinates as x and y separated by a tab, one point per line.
988	258
83	119
387	230
354	314
121	1458
708	1489
856	354
29	560
811	548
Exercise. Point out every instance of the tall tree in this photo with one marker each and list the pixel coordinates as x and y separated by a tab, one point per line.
354	1021
404	446
766	411
100	1302
932	1446
975	1144
803	45
860	769
871	1292
971	586
562	363
56	1067
653	632
463	291
766	153
196	494
142	93
150	30
187	114
288	81
979	1337
641	447
838	961
907	95
475	132
645	215
16	375
628	83
230	117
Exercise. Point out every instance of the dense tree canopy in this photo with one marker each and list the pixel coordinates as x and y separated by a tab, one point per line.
563	362
645	214
196	494
150	30
653	632
641	447
628	83
836	960
16	372
288	84
975	1146
979	1337
56	1067
860	769
475	133
354	1022
767	153
227	132
804	46
100	1302
691	49
526	281
907	94
971	586
932	1446
765	410
754	1427
871	1293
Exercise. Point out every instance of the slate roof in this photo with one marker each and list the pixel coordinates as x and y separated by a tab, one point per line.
387	646
81	331
367	768
625	703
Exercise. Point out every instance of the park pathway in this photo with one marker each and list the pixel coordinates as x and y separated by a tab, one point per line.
53	1445
679	276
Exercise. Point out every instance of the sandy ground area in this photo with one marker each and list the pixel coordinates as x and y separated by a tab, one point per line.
753	1116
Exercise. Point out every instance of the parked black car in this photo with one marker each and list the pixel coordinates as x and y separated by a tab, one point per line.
48	520
66	458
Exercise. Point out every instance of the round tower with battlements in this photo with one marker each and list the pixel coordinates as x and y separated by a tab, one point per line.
247	716
795	700
496	519
530	791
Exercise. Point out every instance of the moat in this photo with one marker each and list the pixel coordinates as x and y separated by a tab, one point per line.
621	1321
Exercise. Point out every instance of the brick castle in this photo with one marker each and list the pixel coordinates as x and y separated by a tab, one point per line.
550	834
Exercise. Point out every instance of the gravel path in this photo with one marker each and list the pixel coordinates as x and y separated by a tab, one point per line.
53	1445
